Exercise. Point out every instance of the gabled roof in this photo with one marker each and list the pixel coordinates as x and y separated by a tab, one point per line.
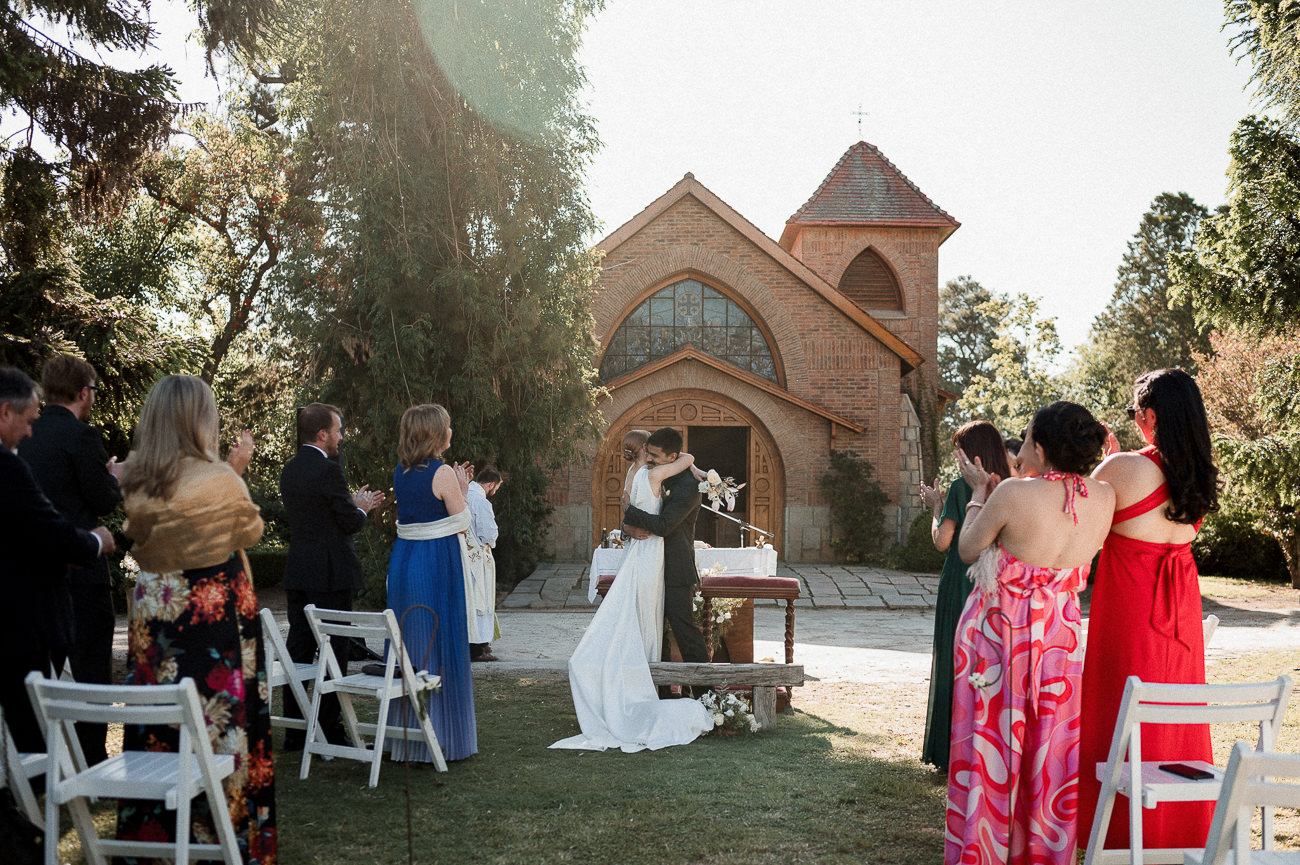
691	353
865	188
689	186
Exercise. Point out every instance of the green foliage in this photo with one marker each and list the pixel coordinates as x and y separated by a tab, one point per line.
452	267
1267	32
857	507
1016	379
918	552
1230	544
1245	267
1250	386
968	323
267	563
1142	328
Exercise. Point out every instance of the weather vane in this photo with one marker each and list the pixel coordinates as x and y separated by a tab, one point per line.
859	114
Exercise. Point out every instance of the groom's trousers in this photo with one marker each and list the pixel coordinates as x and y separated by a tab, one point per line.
679	609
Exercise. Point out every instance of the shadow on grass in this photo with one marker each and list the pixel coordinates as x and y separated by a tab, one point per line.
827	786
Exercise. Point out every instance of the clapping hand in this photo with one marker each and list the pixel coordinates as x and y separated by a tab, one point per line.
114	468
241	453
368	499
975	474
464	474
932	497
1112	446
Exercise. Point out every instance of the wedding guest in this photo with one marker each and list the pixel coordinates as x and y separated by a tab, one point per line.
1013	775
322	567
194	613
67	457
1145	618
482	564
981	442
38	543
426	573
1013	455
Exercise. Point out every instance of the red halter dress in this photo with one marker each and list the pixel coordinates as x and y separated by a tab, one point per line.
1145	621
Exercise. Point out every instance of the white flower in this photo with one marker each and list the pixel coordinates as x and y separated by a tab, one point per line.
718	720
978	680
714	477
426	681
704	486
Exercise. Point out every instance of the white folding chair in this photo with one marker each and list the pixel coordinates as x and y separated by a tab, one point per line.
1251	781
19	769
1209	625
172	778
1125	772
399	680
282	671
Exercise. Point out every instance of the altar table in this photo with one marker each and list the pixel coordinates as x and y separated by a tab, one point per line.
735	561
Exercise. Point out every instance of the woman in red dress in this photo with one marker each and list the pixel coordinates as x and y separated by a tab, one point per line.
1145	619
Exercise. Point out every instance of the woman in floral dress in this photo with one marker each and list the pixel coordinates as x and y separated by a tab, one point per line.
1013	778
194	613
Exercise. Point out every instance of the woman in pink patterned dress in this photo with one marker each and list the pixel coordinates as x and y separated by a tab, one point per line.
1012	788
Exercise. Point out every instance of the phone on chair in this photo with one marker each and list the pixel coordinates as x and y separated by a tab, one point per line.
1185	771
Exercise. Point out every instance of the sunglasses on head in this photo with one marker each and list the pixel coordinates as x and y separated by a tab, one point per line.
1132	412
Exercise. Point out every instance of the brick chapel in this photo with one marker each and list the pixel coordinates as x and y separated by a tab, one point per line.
769	354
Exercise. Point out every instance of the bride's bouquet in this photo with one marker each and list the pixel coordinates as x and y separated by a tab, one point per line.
730	711
720	489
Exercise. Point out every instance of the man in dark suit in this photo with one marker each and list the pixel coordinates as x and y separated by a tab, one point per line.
323	568
67	458
675	523
37	543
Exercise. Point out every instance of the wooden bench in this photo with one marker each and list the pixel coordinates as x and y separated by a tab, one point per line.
778	588
763	678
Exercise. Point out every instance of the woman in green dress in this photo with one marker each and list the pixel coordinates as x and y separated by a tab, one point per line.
983	444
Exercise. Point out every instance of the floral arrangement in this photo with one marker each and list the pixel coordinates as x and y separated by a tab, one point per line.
730	711
425	684
722	608
720	489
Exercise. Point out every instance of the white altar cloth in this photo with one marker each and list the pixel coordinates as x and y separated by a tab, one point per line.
735	561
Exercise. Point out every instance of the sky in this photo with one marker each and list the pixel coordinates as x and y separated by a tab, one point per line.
1046	129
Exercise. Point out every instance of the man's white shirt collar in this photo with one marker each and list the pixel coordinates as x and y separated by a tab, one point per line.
318	450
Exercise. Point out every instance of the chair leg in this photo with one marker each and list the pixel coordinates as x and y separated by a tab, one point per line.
381	728
1100	824
183	826
85	826
431	739
313	722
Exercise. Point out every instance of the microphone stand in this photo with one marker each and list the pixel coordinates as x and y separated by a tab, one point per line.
744	526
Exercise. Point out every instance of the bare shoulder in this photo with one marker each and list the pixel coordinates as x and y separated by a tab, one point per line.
1100	491
1123	465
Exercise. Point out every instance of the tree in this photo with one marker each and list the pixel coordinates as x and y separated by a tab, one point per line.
1016	379
968	323
104	117
449	148
1142	328
1249	385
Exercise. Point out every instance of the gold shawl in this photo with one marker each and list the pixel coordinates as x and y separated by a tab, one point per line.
208	516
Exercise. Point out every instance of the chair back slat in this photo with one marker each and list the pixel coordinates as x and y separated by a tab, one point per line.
107	713
1250	782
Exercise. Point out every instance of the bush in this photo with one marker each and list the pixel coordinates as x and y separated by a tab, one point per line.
1230	545
918	552
267	564
857	508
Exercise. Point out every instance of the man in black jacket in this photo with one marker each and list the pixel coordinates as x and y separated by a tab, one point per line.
67	458
675	523
38	542
323	568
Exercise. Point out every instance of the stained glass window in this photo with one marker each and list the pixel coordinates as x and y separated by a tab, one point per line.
688	313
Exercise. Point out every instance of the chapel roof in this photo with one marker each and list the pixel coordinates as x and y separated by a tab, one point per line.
865	188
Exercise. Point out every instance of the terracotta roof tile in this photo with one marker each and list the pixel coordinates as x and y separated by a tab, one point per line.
865	188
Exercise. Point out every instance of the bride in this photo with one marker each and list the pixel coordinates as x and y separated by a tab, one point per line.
609	673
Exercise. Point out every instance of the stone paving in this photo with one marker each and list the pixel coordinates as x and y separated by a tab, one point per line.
563	586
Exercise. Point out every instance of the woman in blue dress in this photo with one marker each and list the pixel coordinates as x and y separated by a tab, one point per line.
426	584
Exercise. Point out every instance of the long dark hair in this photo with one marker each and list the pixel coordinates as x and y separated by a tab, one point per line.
979	438
1182	438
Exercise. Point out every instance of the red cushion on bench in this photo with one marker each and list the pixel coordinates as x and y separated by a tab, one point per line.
750	587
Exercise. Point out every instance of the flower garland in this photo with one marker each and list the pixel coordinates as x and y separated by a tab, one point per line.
729	710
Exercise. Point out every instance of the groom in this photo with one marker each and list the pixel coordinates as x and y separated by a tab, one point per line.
675	523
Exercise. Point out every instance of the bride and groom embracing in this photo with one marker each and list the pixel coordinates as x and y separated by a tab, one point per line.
609	674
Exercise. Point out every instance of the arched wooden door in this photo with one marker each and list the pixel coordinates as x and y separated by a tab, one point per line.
766	485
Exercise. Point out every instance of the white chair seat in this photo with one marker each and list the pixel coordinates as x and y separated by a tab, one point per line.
1158	786
1253	779
141	775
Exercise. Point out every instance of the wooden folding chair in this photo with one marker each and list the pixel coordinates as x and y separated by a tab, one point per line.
1251	781
282	671
172	778
1145	784
398	680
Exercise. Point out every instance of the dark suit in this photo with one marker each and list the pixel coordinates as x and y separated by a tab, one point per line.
67	458
37	543
323	568
675	523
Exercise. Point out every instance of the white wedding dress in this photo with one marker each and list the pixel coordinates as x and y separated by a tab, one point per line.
609	673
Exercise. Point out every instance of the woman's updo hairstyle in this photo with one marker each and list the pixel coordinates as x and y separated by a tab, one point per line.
1070	436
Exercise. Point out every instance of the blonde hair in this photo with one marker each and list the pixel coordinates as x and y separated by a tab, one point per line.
422	435
633	441
179	419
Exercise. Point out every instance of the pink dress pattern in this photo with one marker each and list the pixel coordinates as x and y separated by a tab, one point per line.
1013	779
